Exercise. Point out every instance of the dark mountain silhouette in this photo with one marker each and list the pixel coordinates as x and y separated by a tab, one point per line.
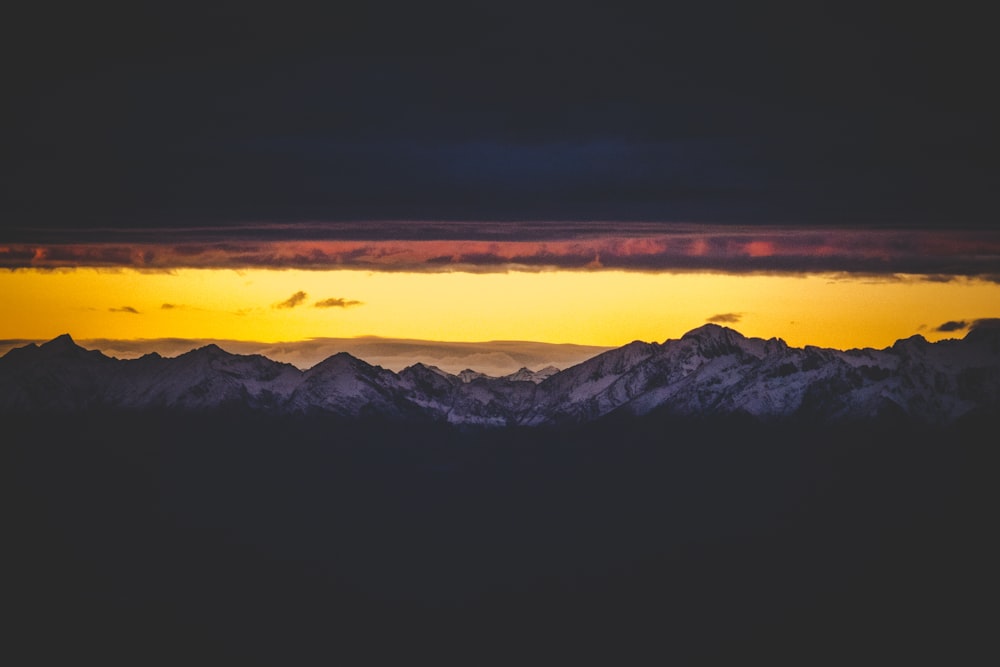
710	371
708	500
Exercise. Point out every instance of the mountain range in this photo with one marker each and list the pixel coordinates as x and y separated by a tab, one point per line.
709	371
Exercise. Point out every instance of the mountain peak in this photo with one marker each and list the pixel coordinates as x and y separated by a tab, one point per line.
210	350
713	332
712	370
61	346
421	367
468	375
62	342
914	342
712	338
525	374
917	338
341	362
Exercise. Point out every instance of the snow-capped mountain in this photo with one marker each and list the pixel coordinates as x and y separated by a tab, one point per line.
709	371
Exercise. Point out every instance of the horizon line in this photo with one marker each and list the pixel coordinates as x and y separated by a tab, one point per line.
7	345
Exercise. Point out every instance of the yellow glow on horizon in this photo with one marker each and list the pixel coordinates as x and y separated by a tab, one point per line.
587	307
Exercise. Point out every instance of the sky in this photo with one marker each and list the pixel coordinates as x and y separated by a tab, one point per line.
471	172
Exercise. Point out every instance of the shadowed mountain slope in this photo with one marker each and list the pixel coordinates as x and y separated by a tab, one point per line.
710	371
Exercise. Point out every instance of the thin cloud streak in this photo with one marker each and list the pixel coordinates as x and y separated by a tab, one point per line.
725	318
936	254
963	325
292	301
336	303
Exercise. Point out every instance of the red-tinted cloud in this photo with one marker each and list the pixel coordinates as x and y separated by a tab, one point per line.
936	254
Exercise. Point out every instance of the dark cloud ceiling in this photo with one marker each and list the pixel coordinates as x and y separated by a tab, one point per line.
160	115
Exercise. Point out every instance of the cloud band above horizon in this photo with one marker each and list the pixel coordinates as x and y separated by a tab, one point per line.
938	254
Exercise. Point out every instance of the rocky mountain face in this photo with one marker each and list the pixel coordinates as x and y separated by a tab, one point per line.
710	371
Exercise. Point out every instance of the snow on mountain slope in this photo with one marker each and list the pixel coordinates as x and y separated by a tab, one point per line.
527	375
468	375
205	378
711	370
572	395
347	386
492	402
712	357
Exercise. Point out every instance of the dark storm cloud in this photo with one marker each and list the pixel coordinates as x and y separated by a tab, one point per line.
725	318
952	325
292	301
336	303
141	115
124	309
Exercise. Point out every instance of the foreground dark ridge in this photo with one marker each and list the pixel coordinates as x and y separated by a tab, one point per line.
710	371
146	538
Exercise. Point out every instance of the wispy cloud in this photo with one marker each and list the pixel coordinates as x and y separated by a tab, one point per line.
952	325
963	325
336	303
725	318
124	309
292	301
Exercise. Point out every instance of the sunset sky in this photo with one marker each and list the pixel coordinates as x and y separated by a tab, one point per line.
444	173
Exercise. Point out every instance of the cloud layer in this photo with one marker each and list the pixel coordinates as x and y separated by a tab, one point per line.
802	113
937	254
